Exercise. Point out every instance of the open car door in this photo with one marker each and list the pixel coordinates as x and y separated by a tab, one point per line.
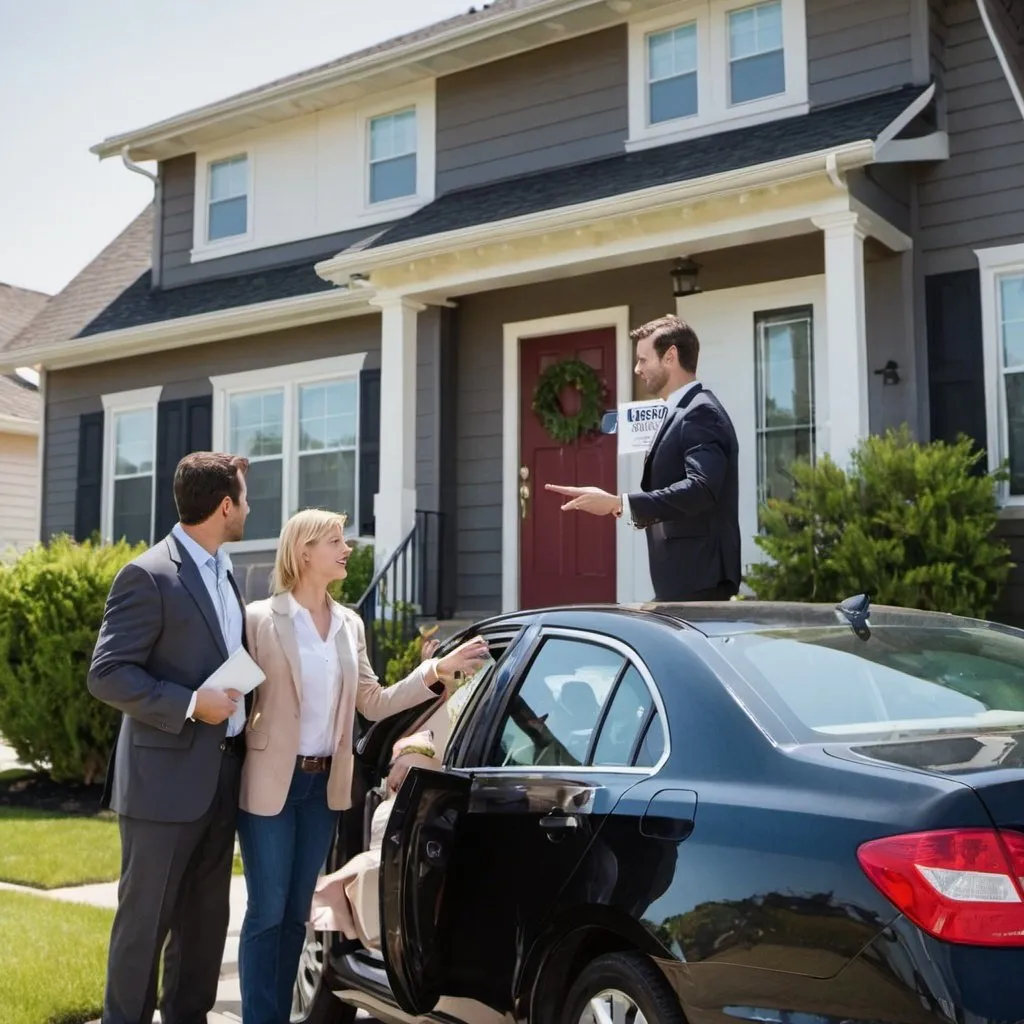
421	835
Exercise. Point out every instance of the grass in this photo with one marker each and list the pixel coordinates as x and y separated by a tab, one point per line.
54	958
45	850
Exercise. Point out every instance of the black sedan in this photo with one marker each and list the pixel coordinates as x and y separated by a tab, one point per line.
783	814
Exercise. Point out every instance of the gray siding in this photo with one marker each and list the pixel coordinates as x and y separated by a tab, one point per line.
178	190
561	104
857	47
976	198
647	290
186	373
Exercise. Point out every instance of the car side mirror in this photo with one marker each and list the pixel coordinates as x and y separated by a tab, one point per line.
610	422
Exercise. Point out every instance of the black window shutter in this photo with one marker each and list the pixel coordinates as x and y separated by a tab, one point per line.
89	492
369	447
956	365
183	425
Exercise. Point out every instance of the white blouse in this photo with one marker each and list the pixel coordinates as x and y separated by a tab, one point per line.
321	682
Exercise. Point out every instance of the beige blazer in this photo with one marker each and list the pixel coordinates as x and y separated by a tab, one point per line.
272	732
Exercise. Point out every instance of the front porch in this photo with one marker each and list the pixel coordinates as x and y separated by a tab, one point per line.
806	293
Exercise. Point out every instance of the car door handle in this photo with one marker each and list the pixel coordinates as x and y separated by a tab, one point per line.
558	821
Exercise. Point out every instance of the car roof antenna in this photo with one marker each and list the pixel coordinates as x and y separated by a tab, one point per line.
856	611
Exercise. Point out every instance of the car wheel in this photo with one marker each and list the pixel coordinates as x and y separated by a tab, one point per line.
312	1001
626	988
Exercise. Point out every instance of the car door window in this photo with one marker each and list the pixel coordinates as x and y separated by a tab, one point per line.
625	721
553	717
652	746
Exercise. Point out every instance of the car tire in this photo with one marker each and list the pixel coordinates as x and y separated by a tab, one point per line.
630	980
316	1004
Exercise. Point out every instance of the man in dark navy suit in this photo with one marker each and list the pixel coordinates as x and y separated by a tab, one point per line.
689	497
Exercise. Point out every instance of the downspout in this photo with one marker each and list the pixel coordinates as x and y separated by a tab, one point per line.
986	20
158	219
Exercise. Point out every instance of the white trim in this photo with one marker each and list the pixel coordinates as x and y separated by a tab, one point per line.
114	404
1001	55
994	264
714	111
923	149
512	334
258	318
202	247
898	123
19	425
287	378
583	215
424	101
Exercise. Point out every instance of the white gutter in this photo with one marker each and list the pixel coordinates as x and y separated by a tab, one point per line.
1001	54
294	87
832	161
156	273
258	318
17	425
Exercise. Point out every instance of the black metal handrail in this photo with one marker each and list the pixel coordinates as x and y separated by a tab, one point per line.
408	587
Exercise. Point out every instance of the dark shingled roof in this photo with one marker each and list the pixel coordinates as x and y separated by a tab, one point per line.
140	304
661	165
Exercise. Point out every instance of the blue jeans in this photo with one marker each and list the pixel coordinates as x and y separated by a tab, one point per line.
282	856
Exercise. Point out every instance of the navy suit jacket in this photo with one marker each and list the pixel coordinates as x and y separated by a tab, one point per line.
689	502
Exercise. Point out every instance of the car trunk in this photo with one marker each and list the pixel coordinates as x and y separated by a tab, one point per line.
991	763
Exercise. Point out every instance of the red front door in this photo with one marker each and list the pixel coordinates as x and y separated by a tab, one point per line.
565	557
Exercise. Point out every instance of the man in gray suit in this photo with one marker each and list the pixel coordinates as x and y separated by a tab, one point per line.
173	616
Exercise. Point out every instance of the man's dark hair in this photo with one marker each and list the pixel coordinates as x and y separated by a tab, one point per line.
203	480
667	331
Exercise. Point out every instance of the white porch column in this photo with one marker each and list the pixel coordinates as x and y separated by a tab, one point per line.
846	333
395	502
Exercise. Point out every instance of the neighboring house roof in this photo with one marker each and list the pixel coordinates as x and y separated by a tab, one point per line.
822	129
18	306
19	401
88	294
140	304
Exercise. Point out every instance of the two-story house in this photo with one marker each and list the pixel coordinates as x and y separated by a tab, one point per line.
358	273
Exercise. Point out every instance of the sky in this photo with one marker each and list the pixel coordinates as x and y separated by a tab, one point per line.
73	72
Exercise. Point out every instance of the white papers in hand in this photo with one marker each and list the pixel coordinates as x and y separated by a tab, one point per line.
239	673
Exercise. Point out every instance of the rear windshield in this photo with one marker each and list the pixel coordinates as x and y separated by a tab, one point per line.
900	680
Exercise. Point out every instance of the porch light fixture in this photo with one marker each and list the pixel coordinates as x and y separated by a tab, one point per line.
889	373
684	278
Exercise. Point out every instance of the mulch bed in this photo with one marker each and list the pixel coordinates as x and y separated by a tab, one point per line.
38	792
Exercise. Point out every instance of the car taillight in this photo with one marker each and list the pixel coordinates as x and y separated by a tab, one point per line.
959	885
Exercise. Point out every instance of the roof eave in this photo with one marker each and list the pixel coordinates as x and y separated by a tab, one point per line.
257	318
834	160
141	142
18	425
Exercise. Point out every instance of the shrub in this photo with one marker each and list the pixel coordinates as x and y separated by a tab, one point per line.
51	607
910	524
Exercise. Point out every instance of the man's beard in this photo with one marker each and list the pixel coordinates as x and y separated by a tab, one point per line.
656	382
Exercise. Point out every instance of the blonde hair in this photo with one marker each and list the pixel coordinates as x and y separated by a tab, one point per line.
303	529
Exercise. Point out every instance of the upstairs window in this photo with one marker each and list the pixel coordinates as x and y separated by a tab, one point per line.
672	73
393	156
757	65
228	199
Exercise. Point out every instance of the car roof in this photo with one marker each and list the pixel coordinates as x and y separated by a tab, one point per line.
723	618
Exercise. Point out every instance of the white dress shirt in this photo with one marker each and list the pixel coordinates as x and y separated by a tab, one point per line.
671	402
213	570
321	681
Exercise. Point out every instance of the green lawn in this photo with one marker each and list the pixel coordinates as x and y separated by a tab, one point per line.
46	850
54	959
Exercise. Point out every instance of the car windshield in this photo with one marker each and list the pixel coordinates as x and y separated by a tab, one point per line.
901	680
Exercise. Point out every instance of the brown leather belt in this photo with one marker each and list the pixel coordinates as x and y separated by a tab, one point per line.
313	765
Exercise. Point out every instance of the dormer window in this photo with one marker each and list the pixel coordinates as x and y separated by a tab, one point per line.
702	66
393	156
228	213
757	64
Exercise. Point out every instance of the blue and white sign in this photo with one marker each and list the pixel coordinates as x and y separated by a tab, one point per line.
638	422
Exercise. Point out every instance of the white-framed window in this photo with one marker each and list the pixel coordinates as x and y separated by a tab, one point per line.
392	156
227	214
710	65
129	465
784	388
1002	318
299	427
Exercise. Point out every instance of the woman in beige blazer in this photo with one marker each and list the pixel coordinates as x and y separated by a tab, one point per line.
297	774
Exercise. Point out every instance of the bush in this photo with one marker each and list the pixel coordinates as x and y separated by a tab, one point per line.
360	574
51	607
910	524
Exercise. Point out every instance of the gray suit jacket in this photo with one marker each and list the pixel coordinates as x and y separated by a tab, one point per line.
159	641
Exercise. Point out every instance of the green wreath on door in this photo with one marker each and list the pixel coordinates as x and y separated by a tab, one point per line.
576	374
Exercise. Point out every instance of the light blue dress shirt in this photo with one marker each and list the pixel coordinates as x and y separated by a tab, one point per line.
214	570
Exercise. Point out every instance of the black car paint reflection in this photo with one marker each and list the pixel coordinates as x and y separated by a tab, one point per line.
733	865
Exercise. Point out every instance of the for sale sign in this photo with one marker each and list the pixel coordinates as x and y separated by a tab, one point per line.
638	423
